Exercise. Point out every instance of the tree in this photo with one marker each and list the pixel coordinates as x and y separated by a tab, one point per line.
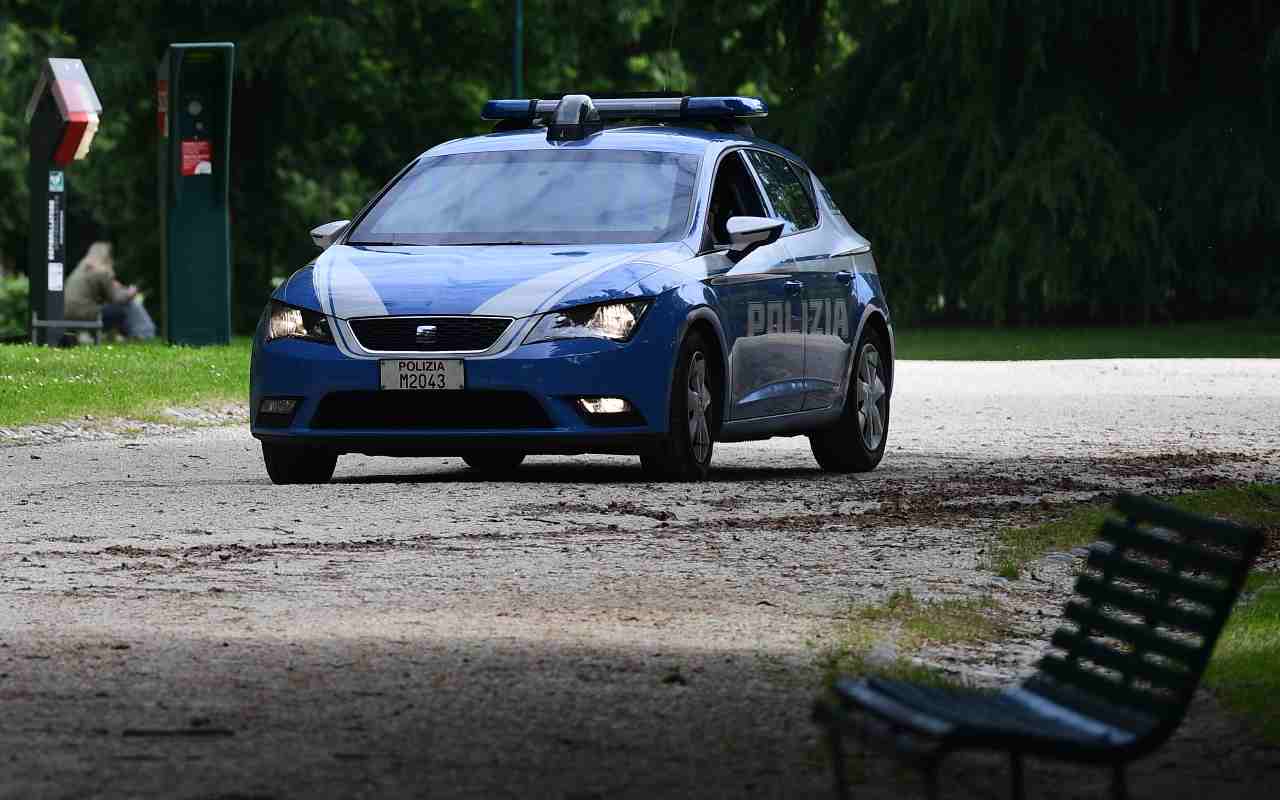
1011	161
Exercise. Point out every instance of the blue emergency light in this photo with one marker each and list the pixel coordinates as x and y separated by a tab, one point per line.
576	115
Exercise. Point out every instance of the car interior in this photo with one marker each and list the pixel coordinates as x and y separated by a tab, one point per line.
732	195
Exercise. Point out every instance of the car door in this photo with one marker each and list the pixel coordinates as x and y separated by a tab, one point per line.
761	304
827	278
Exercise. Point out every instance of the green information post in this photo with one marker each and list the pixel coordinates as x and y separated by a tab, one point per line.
193	100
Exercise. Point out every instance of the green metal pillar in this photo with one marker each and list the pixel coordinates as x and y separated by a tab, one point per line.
193	92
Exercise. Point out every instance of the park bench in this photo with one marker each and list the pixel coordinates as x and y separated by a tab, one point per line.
1143	622
93	326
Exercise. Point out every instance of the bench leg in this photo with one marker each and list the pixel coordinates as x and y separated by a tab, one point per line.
1016	787
1119	786
835	743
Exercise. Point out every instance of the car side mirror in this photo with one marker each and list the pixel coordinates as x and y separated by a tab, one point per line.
748	233
324	235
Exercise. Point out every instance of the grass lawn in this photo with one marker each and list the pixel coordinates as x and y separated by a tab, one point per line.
39	384
1245	671
1191	340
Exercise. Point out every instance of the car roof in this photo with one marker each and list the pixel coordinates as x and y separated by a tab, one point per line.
657	138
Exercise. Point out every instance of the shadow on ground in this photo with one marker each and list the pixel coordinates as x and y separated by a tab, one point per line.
267	717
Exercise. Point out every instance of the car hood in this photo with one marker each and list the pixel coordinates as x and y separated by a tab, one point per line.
496	280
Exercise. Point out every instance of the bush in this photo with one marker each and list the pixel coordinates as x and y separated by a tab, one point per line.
14	307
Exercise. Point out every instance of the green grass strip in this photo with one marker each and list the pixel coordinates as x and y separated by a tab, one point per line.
1245	339
902	624
1245	670
134	380
1254	504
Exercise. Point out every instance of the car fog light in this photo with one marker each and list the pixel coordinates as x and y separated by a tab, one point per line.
604	405
277	405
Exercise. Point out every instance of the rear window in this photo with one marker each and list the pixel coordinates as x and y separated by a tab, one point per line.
561	196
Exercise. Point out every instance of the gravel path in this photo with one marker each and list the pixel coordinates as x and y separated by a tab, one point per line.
175	626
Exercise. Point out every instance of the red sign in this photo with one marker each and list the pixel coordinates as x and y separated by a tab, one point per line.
197	157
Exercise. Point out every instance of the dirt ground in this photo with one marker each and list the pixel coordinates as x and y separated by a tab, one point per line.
175	626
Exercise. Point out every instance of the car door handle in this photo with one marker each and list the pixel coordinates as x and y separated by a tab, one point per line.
844	276
794	287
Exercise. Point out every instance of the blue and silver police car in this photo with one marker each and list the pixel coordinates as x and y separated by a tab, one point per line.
624	275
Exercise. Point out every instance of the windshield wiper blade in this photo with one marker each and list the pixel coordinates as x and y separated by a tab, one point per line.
482	244
373	244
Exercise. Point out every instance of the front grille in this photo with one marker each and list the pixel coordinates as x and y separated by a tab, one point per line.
451	334
430	410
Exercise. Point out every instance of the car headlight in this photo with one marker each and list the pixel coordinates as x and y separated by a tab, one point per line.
613	321
289	322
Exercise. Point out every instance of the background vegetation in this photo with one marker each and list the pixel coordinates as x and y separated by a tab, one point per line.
1014	162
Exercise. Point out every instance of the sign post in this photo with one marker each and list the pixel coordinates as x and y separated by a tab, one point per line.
62	118
193	105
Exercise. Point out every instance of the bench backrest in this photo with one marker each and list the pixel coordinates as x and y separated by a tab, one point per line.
1148	611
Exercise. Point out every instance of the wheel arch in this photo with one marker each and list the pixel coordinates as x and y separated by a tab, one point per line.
705	319
876	318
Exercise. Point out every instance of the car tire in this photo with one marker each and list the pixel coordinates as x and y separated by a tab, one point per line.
494	462
684	454
289	464
856	442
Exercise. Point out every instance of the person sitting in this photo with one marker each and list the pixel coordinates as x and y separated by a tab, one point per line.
92	289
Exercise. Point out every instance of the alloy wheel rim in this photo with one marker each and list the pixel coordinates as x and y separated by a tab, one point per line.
871	398
698	400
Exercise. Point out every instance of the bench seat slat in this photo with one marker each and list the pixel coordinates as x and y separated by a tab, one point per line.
1071	674
1165	614
1109	560
1188	555
1131	664
1194	525
1142	637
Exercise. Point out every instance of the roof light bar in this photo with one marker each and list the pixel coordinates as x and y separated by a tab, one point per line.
689	108
575	117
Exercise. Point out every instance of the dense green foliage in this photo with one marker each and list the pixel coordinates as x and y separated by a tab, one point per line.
1012	161
14	309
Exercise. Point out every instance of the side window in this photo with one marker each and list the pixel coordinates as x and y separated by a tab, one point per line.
732	195
791	200
806	180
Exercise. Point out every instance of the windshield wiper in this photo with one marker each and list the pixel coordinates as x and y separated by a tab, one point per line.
482	244
373	244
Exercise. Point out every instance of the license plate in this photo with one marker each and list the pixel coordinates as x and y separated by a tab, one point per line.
422	373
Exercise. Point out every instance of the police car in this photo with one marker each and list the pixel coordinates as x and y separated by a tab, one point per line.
624	275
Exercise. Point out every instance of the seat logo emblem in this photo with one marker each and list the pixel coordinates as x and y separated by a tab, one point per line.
426	334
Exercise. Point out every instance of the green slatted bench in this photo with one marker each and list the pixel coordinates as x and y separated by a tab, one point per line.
1156	594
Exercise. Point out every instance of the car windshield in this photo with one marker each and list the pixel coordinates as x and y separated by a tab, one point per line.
557	196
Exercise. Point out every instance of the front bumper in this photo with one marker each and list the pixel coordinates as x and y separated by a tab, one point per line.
553	375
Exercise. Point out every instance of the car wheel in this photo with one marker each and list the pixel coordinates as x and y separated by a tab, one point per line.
298	463
493	461
856	443
684	454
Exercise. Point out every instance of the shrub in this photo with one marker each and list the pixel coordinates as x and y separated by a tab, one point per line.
14	307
